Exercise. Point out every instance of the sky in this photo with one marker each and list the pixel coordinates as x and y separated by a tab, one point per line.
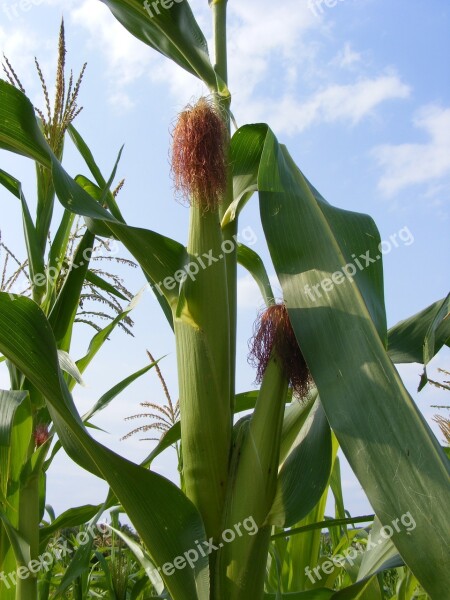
359	92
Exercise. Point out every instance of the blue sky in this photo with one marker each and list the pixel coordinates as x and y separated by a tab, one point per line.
359	92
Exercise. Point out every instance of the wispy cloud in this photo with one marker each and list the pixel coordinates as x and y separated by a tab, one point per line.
347	57
405	165
271	47
350	102
268	47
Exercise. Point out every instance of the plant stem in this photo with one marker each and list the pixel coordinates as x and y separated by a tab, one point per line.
219	11
241	564
219	8
202	339
29	530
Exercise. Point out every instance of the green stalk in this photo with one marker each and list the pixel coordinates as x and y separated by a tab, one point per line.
241	564
57	253
29	530
45	204
219	12
202	338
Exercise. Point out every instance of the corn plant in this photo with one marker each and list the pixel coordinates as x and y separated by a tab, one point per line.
64	276
329	355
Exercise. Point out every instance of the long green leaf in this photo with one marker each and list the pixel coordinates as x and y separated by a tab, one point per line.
160	257
63	313
19	546
143	558
73	517
35	259
9	403
115	391
341	333
323	525
167	522
304	474
407	338
78	565
171	31
250	260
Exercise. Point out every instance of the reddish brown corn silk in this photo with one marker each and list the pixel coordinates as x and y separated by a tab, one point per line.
199	155
273	333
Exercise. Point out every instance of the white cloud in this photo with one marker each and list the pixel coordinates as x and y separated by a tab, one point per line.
351	102
20	45
404	165
347	57
127	58
268	47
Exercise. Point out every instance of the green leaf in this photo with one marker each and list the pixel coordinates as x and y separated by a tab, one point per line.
159	256
341	333
168	439
250	260
407	338
20	547
143	558
73	517
16	428
35	259
304	474
167	522
83	149
432	345
115	391
327	524
173	32
16	134
381	552
63	313
69	366
78	565
246	150
9	403
56	256
107	583
103	194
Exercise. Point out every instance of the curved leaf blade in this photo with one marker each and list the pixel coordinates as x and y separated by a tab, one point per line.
173	32
167	521
304	474
251	261
386	440
407	338
159	256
